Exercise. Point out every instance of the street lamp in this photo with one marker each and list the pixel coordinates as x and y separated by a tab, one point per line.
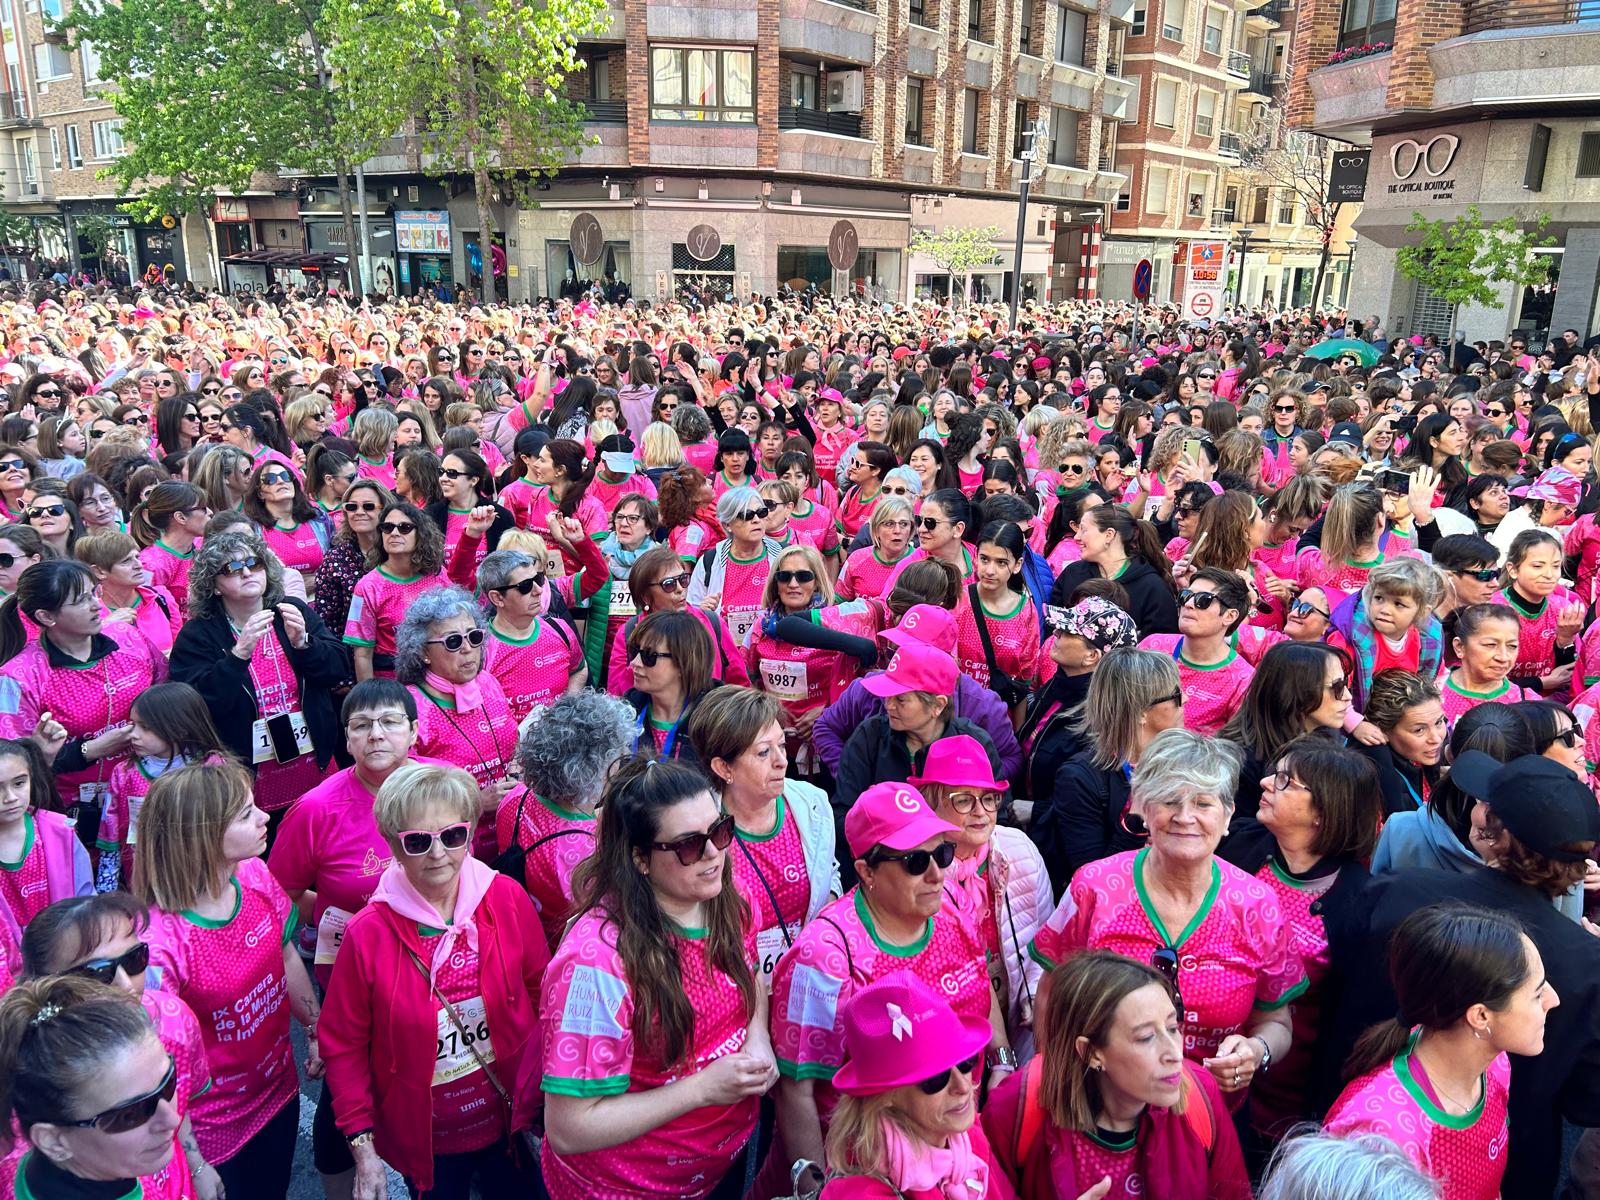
1033	141
1245	235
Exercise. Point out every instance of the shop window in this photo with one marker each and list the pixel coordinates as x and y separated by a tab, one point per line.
713	279
701	84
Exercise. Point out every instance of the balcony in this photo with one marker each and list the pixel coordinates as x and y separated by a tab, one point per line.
1228	145
1484	15
14	110
834	31
1221	217
1238	63
813	120
1261	83
607	112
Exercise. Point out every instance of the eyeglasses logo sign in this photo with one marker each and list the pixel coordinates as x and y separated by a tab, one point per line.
1409	159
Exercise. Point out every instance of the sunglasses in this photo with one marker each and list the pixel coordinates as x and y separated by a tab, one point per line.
525	587
929	523
896	491
673	583
454	641
1304	608
397	527
916	862
47	394
1339	689
452	473
417	842
1073	469
935	1084
241	566
1568	737
1482	575
755	514
1284	408
351	506
276	477
966	802
1165	960
1174	698
104	970
47	510
1201	600
16	464
795	576
136	1113
691	848
650	657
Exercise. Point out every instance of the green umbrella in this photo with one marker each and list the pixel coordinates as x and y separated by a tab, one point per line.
1339	347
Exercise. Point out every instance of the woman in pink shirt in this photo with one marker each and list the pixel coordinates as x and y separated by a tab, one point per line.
448	954
290	524
659	1097
689	512
869	463
659	582
998	599
534	657
1215	675
126	591
222	939
408	562
41	858
1436	1079
866	571
168	523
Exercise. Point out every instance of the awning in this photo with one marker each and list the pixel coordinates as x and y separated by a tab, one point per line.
315	260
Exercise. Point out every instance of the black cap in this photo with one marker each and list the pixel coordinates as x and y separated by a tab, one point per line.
1540	802
1346	431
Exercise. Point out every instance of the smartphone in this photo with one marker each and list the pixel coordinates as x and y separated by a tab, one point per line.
281	730
1191	449
1396	483
1405	426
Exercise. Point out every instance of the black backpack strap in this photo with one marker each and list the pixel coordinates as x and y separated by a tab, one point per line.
849	959
983	633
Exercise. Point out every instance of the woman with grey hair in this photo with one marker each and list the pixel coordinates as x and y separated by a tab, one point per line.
693	428
1220	936
534	658
545	827
729	578
1319	1166
462	714
265	664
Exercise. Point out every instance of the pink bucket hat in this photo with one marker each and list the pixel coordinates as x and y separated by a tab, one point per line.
893	815
899	1031
1556	484
915	668
926	625
960	762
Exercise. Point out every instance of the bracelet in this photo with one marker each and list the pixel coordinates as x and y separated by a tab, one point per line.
1004	1056
359	1140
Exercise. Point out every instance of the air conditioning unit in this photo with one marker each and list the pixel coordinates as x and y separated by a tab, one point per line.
846	91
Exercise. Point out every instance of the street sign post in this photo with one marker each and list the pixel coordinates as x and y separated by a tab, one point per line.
1141	279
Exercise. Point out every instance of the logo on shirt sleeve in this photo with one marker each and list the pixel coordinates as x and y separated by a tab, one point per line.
593	1000
356	605
10	696
813	998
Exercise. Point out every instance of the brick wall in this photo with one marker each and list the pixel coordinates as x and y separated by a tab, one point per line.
1418	25
1316	36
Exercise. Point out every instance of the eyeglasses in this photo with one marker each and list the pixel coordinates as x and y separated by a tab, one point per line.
1284	778
1483	574
1304	608
271	477
1165	960
673	583
691	848
388	723
795	576
417	842
240	566
916	862
47	510
929	523
351	506
524	588
1568	737
628	516
104	970
397	527
135	1113
966	802
902	490
648	657
1284	408
1175	698
454	641
755	514
1201	600
1339	688
935	1084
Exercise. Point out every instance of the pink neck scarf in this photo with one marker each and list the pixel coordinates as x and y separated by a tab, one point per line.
468	697
395	890
954	1171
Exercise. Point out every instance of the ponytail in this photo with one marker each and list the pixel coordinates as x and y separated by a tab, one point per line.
1139	539
960	509
13	634
151	516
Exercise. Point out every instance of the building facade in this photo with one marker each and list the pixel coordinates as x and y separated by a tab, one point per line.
1462	102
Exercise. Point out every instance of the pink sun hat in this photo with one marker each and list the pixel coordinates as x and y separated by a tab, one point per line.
958	762
915	668
899	1031
927	625
892	815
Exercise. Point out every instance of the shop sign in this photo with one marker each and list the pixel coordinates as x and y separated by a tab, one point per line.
587	241
422	232
1347	178
704	243
843	245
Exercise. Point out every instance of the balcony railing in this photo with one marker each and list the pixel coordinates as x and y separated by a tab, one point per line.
14	108
1108	160
1221	216
607	112
1260	82
846	124
1113	68
1239	63
1502	14
1228	144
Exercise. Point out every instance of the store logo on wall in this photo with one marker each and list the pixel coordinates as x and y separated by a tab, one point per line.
704	242
1433	159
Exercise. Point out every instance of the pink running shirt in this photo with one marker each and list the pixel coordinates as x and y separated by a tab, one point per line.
1014	635
535	670
556	840
1211	694
379	605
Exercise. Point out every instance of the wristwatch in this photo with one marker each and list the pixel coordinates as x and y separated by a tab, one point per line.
358	1140
1003	1056
1266	1052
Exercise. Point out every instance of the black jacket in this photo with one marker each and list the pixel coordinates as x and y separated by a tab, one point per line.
1151	604
202	656
1401	781
1563	1083
1054	740
1085	818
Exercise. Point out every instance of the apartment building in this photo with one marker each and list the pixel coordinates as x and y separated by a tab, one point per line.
1462	102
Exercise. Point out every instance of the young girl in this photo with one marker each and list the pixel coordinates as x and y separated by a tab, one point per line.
168	524
1215	675
1486	641
41	859
1353	541
999	599
731	467
1389	623
813	515
1550	614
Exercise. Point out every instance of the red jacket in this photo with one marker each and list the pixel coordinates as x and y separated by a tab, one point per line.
1174	1163
381	1016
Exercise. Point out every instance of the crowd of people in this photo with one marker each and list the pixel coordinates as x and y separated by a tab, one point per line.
770	749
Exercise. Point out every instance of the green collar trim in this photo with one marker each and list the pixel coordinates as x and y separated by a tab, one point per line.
915	948
397	578
1150	909
1003	616
566	814
1505	686
1216	666
777	828
27	849
1408	1080
195	918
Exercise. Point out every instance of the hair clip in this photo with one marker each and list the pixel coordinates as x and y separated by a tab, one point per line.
45	1013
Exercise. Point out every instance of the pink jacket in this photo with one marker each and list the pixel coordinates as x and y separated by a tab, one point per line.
380	1009
66	862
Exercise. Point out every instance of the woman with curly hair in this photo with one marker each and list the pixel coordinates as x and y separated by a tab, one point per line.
689	512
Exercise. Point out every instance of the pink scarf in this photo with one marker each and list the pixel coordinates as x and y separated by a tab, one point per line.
955	1172
395	890
468	697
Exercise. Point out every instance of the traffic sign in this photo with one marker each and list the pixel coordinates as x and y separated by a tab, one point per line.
1141	279
1202	304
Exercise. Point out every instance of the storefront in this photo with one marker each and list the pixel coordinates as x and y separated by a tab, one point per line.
875	274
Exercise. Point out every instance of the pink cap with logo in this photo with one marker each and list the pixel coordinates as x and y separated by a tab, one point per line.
893	815
927	625
915	668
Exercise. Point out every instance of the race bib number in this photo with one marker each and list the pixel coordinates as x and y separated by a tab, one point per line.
622	604
261	750
454	1057
769	949
740	622
784	680
135	803
330	933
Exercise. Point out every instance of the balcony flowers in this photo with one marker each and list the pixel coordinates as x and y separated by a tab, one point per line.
1351	53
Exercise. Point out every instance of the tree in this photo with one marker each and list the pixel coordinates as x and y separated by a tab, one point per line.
212	94
1275	156
1461	261
483	79
959	251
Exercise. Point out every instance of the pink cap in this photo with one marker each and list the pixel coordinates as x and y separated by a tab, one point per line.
915	668
829	393
958	761
898	1030
893	815
925	625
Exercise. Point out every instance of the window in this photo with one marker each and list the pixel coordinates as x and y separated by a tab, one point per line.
1366	23
30	165
55	148
1019	129
91	62
74	150
1070	30
108	138
1139	11
1174	15
1589	156
51	9
803	88
1230	205
1155	190
1258	207
1063	137
1199	185
1287	204
1205	113
1032	26
914	130
690	84
1213	35
597	79
975	20
970	108
920	14
50	62
1124	202
1166	103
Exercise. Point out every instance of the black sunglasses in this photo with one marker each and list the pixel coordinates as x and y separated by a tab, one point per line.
935	1084
1175	698
1073	469
1568	737
104	970
650	657
525	587
755	514
397	527
7	561
795	576
1281	408
47	510
417	842
135	1113
351	506
916	862
1201	600
928	522
1483	574
276	477
17	464
691	848
47	394
240	566
454	641
1339	688
1302	608
672	583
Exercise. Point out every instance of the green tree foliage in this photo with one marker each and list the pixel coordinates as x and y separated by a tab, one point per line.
483	80
959	251
1463	260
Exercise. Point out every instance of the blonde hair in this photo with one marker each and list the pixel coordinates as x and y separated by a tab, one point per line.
414	787
178	854
780	490
1408	577
856	1144
373	432
418	412
824	594
660	446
